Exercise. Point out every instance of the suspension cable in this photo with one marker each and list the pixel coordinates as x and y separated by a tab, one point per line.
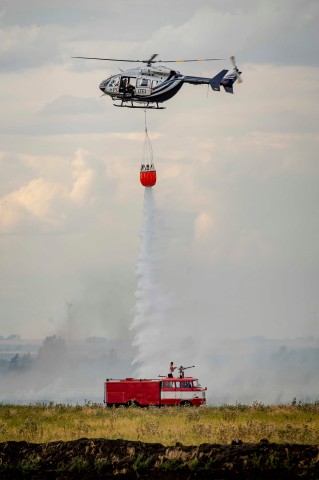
148	149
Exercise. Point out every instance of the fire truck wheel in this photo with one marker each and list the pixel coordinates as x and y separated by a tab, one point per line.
131	403
186	403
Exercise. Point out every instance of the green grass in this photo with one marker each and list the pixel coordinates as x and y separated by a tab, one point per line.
295	423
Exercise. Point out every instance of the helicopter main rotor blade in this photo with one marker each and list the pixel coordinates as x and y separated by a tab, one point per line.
196	60
112	59
151	60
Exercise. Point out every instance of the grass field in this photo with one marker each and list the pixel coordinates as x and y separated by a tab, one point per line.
296	423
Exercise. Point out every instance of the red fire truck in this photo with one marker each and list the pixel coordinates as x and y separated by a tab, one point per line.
157	392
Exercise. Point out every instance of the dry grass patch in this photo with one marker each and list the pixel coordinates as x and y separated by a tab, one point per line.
190	426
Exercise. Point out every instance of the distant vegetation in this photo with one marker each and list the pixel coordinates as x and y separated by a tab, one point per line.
51	347
295	423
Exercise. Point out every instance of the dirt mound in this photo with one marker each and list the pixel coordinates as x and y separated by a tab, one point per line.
101	459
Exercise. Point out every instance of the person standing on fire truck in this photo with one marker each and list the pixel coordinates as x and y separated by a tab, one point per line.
171	370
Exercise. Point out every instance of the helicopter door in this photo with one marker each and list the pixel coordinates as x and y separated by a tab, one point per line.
127	86
143	87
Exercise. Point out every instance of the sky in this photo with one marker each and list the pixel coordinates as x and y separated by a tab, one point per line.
237	191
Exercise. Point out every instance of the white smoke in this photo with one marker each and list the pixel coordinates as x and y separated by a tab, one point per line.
61	372
173	322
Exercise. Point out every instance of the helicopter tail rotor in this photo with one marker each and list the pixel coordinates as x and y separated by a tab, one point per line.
236	71
230	78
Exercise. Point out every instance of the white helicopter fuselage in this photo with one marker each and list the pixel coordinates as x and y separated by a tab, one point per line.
148	85
143	85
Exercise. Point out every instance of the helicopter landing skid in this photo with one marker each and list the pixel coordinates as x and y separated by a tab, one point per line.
135	106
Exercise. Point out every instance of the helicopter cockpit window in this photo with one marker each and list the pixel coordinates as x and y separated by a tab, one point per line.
114	82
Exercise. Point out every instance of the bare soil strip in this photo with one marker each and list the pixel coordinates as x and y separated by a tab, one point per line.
101	458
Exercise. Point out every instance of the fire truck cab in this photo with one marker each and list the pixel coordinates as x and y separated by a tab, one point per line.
154	392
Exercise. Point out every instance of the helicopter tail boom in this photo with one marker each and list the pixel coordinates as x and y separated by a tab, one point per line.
223	78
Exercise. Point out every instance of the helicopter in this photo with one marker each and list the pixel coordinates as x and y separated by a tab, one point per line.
150	85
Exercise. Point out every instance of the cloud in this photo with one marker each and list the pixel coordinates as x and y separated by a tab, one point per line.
69	105
204	223
28	47
256	32
29	205
83	179
43	205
